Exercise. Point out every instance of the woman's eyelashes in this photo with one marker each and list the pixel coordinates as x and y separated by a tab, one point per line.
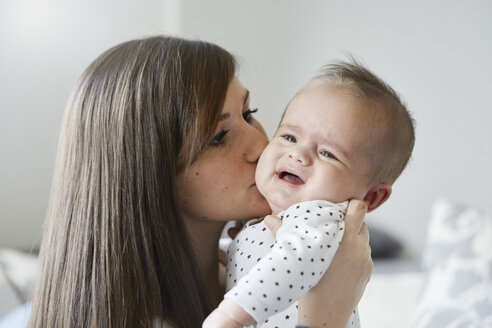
219	138
247	114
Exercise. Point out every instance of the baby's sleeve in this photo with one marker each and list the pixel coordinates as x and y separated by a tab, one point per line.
304	248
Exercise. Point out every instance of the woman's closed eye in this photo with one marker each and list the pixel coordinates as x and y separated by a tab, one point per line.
247	114
218	139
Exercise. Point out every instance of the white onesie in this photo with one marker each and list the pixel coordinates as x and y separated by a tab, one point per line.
267	276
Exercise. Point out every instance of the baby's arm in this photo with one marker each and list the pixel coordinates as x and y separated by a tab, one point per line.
305	245
228	315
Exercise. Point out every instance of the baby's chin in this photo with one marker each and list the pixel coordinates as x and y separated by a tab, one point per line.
278	207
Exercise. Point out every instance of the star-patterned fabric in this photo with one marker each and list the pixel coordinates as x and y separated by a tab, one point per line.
266	277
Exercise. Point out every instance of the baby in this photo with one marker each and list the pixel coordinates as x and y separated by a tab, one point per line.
345	135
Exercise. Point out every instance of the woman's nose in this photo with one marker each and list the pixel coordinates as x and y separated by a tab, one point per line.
257	141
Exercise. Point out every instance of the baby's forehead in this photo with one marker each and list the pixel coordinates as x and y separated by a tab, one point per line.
324	85
317	98
320	89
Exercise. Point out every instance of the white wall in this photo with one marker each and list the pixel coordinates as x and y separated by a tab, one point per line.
437	55
44	47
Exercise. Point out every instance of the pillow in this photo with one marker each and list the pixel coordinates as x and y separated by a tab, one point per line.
458	261
9	299
20	269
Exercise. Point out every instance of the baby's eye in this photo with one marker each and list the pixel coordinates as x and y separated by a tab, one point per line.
247	114
289	138
327	154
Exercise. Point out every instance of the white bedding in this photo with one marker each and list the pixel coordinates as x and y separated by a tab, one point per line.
8	298
17	273
389	299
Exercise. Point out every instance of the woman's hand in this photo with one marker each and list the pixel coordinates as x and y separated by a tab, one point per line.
331	302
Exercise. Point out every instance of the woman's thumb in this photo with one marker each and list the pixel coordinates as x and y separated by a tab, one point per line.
354	218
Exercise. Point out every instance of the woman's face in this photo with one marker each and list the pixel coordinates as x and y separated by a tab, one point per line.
220	185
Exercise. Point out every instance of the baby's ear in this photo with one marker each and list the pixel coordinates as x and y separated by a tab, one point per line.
377	195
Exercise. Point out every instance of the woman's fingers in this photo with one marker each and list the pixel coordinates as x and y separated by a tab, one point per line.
364	233
354	219
273	223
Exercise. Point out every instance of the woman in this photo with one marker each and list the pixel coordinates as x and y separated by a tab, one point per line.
157	151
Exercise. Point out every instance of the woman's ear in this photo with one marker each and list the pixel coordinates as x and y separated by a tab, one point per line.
377	195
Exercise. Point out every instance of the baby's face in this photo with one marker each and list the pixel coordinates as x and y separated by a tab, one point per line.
319	150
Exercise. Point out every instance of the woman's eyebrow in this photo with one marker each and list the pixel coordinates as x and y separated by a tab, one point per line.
246	97
227	115
224	116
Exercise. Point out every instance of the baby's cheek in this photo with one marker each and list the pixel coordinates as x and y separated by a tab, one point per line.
326	191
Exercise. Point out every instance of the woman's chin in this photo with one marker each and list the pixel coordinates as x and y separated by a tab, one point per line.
260	208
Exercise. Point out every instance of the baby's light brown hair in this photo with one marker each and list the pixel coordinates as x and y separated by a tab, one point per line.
394	127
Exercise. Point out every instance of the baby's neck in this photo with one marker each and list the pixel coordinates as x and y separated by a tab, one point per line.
277	210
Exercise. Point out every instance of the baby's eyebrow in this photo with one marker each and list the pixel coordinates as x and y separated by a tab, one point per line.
290	126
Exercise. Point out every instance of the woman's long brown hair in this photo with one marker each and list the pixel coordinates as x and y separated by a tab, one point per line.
115	252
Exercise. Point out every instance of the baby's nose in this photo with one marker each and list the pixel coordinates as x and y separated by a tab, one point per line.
300	156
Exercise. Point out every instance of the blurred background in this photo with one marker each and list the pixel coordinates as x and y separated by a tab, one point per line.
435	54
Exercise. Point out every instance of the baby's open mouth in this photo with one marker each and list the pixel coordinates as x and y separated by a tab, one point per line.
290	177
